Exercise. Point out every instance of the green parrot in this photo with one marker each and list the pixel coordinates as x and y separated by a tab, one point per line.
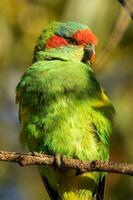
63	110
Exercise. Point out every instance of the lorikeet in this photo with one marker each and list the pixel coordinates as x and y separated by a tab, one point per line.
64	111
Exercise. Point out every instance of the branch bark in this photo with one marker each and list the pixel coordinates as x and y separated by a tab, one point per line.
126	7
26	159
115	37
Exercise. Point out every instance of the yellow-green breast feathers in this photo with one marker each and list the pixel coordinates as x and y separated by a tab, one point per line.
63	110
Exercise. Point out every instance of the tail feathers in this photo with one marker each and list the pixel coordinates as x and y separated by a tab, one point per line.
97	195
53	195
100	189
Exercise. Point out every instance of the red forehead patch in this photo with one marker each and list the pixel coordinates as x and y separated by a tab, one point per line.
56	41
85	37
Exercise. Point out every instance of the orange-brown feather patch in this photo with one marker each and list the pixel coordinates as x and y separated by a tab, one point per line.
85	37
56	41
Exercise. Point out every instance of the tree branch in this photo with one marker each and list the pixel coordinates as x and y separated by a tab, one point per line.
115	37
26	159
127	8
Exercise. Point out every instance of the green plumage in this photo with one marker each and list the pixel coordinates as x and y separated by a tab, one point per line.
63	110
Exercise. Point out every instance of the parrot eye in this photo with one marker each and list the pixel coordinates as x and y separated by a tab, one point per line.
71	41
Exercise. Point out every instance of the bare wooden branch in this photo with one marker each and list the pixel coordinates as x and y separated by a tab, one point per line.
26	159
114	39
126	7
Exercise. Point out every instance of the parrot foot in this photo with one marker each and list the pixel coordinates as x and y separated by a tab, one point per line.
58	159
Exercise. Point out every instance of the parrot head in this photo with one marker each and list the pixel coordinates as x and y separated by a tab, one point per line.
66	41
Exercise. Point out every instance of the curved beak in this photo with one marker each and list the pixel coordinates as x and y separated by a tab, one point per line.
89	54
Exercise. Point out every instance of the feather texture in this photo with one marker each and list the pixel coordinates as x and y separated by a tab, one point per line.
63	111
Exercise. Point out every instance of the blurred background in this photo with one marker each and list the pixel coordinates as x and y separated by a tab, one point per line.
20	24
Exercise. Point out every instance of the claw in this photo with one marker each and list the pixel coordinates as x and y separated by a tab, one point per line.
58	160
